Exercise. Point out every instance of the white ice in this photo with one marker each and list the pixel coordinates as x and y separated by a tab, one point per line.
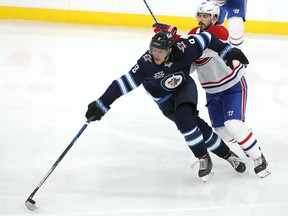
134	161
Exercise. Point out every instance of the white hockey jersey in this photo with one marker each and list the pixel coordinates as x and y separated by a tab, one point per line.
212	71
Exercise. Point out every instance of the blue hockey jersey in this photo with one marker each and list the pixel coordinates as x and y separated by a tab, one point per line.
160	81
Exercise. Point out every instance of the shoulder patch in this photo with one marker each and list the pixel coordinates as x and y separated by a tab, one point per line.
147	57
181	46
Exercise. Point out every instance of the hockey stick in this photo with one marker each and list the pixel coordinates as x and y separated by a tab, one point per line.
165	27
30	203
151	12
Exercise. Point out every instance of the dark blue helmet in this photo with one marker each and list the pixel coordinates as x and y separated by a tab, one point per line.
162	40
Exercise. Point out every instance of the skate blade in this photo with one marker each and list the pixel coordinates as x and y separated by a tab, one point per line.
264	173
207	177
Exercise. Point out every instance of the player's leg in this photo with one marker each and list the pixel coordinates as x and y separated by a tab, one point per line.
214	142
236	17
223	133
185	100
180	108
234	107
167	107
182	117
223	14
216	115
215	111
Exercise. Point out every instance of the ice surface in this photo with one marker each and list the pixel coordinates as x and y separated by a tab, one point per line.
134	161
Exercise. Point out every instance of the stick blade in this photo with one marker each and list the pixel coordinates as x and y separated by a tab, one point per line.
30	204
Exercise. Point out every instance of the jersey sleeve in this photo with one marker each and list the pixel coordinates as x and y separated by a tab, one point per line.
188	50
220	32
201	40
193	31
205	40
124	84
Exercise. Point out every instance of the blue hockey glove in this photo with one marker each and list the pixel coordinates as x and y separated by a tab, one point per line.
228	54
96	110
160	26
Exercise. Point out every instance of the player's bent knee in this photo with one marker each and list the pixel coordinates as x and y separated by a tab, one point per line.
223	133
236	128
236	30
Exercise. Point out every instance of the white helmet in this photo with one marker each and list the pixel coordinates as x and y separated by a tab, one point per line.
209	7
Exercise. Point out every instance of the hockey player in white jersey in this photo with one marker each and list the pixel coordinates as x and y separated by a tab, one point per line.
226	90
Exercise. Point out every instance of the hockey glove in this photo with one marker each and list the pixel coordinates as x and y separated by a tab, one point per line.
228	54
160	26
96	110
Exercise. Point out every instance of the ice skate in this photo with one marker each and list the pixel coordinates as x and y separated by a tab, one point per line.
205	168
236	162
260	167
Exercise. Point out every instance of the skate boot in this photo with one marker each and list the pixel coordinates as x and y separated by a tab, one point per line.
236	162
205	168
260	167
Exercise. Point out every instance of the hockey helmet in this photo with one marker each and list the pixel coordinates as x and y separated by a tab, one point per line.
209	7
162	40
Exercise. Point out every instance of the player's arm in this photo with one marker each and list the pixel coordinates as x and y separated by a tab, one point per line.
218	31
225	51
121	86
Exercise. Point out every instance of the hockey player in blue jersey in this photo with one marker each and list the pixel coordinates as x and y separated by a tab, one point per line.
164	72
235	11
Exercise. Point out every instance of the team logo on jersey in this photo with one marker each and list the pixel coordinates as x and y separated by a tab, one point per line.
236	11
147	57
172	81
230	113
168	64
181	46
159	75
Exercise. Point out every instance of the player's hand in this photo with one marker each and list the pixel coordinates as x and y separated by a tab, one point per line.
229	54
160	26
96	110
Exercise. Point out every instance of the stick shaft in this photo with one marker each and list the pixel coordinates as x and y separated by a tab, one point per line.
151	12
59	159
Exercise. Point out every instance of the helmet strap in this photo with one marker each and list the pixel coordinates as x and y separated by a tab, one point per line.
213	19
